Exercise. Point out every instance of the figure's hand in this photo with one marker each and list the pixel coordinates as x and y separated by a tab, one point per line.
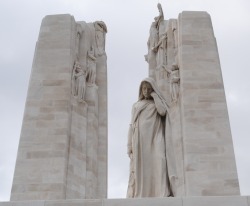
130	153
175	80
153	94
154	49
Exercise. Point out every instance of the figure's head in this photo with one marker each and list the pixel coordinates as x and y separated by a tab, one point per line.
77	64
159	6
78	67
145	90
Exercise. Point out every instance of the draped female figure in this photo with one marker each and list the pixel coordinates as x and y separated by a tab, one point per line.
152	164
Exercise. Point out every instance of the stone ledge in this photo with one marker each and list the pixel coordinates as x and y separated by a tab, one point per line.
171	201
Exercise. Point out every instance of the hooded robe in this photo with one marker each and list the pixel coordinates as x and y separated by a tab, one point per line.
152	164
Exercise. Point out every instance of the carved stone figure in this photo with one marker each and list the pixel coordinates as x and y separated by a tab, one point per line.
152	41
91	66
152	165
174	29
175	79
159	18
153	36
160	41
161	50
78	82
78	37
100	32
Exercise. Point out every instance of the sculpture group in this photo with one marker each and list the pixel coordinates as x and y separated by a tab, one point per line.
86	74
170	130
163	36
150	145
66	115
179	140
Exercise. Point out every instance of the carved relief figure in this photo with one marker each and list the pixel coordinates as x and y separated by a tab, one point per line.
152	165
91	65
153	37
159	18
152	40
174	29
158	44
175	79
78	37
78	82
161	50
100	32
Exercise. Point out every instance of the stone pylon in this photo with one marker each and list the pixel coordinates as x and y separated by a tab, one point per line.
183	58
63	145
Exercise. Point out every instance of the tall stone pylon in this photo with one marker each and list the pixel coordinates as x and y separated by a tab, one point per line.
183	59
62	152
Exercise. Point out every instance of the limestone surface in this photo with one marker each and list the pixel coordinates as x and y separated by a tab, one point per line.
183	59
171	201
62	152
149	145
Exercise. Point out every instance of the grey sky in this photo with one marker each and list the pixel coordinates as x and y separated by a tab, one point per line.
128	29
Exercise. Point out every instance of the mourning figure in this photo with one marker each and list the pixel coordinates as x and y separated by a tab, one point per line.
78	82
91	65
100	32
152	165
175	79
79	31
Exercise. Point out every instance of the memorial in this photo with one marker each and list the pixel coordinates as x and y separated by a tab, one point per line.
186	154
63	145
183	60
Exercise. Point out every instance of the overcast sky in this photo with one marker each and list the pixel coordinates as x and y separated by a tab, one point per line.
128	23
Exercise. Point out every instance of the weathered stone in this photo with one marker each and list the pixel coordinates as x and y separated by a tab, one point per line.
63	150
171	201
185	64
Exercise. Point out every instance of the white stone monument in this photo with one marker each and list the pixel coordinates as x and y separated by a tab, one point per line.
62	156
63	145
183	59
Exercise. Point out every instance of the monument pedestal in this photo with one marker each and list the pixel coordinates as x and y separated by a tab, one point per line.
170	201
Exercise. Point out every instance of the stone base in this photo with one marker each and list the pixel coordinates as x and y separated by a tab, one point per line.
171	201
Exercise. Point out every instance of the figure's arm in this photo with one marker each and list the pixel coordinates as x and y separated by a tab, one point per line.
79	74
161	108
175	80
130	134
155	48
169	71
129	149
